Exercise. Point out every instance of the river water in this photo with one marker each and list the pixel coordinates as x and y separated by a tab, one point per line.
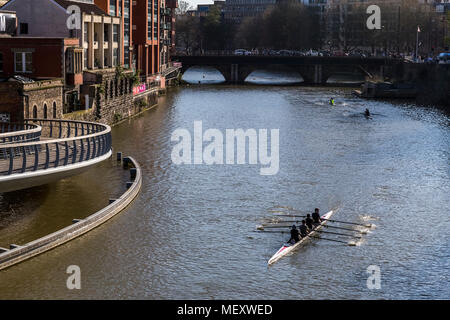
190	233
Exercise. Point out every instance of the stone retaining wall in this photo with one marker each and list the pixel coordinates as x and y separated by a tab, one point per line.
19	253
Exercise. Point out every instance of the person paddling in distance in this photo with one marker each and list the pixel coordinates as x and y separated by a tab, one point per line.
303	229
316	216
309	221
294	235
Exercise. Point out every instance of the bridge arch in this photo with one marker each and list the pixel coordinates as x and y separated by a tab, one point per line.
203	74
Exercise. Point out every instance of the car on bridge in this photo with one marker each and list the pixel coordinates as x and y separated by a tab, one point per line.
444	58
241	52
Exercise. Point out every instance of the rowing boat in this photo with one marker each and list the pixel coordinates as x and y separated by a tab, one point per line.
287	248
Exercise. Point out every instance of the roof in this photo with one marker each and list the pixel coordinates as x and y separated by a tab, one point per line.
84	7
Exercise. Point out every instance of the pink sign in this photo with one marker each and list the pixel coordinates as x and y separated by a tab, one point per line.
139	89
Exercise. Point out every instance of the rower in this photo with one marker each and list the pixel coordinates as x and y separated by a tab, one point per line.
309	221
303	229
332	101
367	113
294	235
316	216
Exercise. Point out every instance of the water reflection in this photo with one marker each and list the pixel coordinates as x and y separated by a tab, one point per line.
271	77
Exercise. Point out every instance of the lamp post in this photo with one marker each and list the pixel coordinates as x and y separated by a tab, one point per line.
417	43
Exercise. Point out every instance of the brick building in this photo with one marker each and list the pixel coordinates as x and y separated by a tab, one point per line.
23	98
83	54
153	34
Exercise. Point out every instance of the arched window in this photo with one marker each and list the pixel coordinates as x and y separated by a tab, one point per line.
45	111
54	109
35	112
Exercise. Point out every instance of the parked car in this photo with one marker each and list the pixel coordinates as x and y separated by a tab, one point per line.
444	58
241	52
312	53
285	53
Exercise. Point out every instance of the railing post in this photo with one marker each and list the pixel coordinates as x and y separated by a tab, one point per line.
88	148
82	149
94	148
74	155
36	157
47	156
24	159
66	157
57	154
11	160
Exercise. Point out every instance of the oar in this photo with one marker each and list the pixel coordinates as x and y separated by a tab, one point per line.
347	243
262	227
348	229
357	224
271	231
295	216
289	215
339	234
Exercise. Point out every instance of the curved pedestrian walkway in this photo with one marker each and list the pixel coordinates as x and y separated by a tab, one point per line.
48	150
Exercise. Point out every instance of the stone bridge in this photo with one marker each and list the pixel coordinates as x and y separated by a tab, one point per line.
314	70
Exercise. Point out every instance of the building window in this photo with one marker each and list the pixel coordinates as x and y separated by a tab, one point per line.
115	33
24	28
115	56
85	58
1	62
106	33
35	112
54	110
86	32
112	8
23	62
45	111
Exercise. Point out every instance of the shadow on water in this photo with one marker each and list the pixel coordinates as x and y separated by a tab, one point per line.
16	205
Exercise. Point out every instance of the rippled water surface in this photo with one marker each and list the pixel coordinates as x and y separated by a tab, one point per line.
189	234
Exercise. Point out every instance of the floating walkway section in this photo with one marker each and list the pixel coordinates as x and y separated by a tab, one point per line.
19	253
44	150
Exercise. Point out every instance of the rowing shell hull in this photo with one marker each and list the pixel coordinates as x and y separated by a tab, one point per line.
287	248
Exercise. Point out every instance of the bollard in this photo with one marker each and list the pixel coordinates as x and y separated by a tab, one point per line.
126	161
119	156
129	184
133	173
112	200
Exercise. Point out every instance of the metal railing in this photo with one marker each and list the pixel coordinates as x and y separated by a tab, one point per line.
67	142
19	132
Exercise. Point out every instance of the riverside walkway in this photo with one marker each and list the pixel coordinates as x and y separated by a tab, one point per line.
46	150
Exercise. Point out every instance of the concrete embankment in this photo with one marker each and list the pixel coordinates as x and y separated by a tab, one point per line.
19	253
432	82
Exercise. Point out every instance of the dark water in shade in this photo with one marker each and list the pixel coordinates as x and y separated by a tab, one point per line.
189	233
